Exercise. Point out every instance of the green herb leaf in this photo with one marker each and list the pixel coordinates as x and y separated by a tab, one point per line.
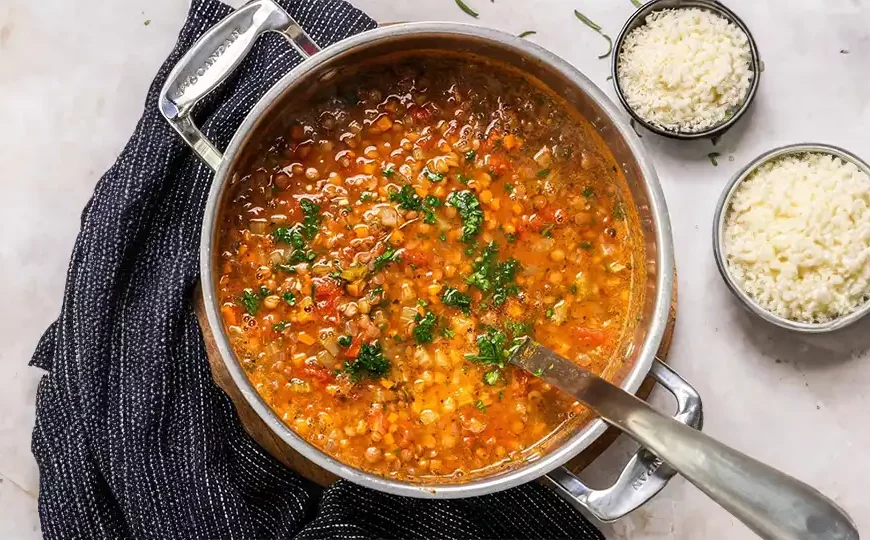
511	238
345	341
464	7
433	176
311	221
538	372
585	245
376	292
468	207
518	329
464	180
527	33
548	231
618	211
442	237
637	3
390	255
493	348
490	275
264	291
284	268
250	301
509	188
713	156
389	171
588	192
480	406
470	155
289	297
544	172
549	313
294	237
425	327
279	327
490	377
448	333
367	196
453	298
370	363
587	21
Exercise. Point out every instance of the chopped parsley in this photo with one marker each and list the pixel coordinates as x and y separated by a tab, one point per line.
448	333
490	377
250	301
285	268
443	237
511	238
345	341
480	406
489	275
548	231
538	372
573	288
470	155
549	313
376	292
509	188
588	192
370	363
289	297
518	329
453	298
409	200
618	211
390	255
433	176
264	291
388	172
468	206
493	348
585	245
294	237
464	180
279	327
311	221
425	327
367	196
544	172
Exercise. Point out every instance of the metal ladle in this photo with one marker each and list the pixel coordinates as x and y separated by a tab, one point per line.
771	503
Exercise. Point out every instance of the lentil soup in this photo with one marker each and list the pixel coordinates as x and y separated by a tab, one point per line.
380	256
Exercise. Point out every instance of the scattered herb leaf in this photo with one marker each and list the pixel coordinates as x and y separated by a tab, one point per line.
518	329
585	245
345	341
527	33
480	406
311	221
470	155
464	7
448	333
543	173
618	211
538	372
453	298
279	327
390	255
289	297
433	176
597	27
548	231
389	171
588	192
490	377
713	156
509	188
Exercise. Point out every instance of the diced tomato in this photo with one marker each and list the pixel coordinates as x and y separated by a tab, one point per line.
421	115
499	164
590	337
417	258
326	293
355	346
318	374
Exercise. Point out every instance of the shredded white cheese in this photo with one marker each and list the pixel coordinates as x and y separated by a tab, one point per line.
797	237
685	69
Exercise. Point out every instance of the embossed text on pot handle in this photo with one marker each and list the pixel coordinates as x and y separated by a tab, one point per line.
211	60
645	474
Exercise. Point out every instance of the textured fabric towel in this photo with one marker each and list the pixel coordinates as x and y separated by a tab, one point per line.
132	437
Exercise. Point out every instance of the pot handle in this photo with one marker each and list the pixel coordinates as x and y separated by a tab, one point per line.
645	474
211	60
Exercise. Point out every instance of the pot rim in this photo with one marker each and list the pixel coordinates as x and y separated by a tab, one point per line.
573	444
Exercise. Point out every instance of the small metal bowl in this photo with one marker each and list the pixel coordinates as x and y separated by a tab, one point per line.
722	209
639	19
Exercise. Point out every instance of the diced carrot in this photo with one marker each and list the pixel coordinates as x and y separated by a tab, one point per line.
305	338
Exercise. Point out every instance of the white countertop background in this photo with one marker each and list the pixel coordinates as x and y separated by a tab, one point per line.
73	78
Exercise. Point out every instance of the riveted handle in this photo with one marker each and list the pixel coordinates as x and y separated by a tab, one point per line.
645	474
211	60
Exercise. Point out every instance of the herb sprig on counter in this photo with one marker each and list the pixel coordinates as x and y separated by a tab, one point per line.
597	27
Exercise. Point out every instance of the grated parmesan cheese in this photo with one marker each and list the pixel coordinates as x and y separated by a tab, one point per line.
797	237
685	69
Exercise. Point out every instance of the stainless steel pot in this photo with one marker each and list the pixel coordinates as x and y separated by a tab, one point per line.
223	47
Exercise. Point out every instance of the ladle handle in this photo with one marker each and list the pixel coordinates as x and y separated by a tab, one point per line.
771	503
211	60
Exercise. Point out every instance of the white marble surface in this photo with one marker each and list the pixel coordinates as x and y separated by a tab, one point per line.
73	76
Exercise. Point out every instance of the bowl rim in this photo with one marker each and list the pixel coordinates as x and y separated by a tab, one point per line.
710	5
719	230
646	351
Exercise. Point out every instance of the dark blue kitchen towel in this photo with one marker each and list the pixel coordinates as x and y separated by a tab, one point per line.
132	437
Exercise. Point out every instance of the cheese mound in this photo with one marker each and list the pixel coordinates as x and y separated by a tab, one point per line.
685	69
797	237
